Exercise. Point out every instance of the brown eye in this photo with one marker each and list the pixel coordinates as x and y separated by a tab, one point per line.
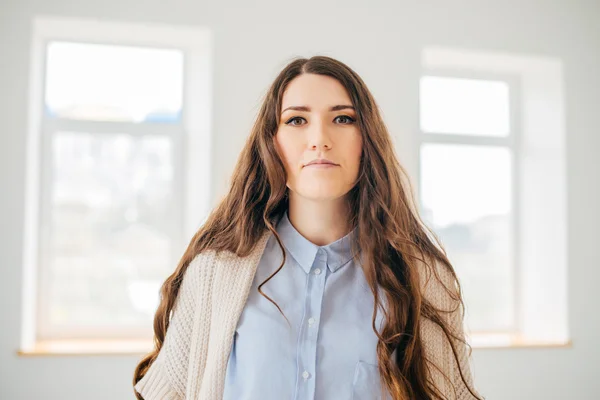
349	120
289	122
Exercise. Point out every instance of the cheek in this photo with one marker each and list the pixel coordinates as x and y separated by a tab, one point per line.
356	151
286	150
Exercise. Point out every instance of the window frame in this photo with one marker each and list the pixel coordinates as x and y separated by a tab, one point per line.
510	142
191	139
175	133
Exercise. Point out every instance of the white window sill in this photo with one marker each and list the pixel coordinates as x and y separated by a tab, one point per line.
87	347
507	340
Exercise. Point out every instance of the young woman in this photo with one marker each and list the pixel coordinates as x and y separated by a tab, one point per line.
314	278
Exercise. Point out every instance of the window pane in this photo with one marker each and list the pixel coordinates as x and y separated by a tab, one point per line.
113	83
464	106
466	199
113	214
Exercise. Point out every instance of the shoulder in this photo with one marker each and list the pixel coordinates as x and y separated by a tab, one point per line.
438	283
202	263
205	257
228	257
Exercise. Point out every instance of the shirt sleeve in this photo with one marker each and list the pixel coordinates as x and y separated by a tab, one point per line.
166	377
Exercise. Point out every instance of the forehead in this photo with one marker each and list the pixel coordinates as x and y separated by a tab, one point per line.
315	91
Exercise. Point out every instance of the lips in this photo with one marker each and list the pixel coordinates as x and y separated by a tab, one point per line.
321	162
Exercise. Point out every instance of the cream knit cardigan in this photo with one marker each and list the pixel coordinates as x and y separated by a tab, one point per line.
192	362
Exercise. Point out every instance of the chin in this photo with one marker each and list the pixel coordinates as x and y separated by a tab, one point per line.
323	195
320	190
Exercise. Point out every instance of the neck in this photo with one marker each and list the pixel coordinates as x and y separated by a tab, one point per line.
320	221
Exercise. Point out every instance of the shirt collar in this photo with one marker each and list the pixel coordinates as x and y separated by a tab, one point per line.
336	254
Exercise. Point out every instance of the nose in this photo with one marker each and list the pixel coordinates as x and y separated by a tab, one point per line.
318	136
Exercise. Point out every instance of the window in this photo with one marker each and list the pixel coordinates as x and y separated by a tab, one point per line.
111	205
466	189
109	170
492	186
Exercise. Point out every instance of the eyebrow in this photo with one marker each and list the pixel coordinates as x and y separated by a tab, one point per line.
306	108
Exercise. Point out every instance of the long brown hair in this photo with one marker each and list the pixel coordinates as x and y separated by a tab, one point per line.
393	240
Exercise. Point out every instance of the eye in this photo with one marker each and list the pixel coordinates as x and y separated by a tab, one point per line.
289	121
349	120
345	120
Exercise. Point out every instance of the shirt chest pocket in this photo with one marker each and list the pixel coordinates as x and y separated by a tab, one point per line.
365	385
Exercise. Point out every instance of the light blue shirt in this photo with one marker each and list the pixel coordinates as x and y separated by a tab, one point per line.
329	353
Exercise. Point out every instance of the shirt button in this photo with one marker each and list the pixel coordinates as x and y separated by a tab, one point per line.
317	271
305	375
311	321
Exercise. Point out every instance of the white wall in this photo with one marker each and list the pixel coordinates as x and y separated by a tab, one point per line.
382	42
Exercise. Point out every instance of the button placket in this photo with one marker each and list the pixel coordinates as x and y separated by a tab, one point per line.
310	327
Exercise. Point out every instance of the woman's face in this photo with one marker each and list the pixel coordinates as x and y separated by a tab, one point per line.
319	122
